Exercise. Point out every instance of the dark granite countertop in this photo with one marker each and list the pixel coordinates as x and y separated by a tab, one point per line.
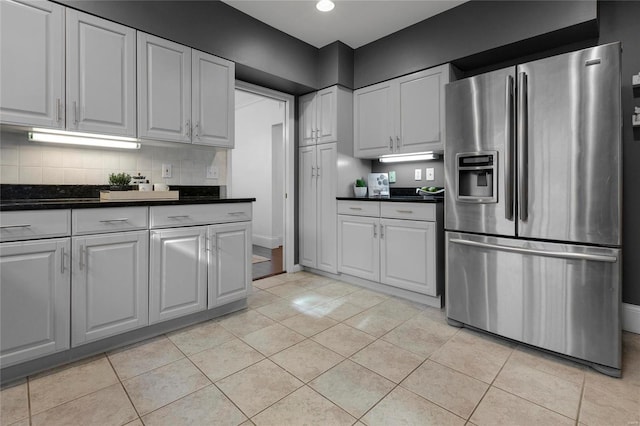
43	197
397	199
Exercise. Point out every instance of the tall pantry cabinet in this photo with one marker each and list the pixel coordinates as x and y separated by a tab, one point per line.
326	133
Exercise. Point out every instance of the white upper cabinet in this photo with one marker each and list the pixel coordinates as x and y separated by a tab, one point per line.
101	75
31	63
373	120
213	100
184	95
326	116
164	89
403	115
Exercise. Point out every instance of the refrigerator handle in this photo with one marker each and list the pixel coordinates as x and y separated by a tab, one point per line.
536	252
509	157
523	171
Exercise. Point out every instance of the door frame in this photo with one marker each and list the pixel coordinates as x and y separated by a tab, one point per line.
289	164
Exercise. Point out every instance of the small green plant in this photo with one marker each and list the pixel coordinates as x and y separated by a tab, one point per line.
119	179
360	183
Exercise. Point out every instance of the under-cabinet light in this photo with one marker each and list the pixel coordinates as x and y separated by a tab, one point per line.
399	158
89	139
325	5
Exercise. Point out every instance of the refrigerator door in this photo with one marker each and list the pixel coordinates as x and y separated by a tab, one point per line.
569	147
479	153
560	297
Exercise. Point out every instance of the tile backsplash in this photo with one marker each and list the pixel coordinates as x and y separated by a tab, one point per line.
24	162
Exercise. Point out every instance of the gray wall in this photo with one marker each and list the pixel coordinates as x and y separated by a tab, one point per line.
466	30
620	21
335	65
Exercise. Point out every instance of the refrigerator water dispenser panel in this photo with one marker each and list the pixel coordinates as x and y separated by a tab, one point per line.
477	174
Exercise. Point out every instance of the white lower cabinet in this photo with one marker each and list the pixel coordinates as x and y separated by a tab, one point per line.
34	297
229	262
408	255
397	252
178	272
109	284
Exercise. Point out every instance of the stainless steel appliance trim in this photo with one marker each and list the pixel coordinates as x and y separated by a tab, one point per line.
508	162
523	169
558	254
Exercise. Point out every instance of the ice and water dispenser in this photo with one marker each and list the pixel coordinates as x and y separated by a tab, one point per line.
477	174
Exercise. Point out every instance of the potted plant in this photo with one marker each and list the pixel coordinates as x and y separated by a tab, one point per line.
360	188
119	181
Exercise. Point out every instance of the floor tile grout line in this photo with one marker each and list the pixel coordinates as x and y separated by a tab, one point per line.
582	391
124	389
29	399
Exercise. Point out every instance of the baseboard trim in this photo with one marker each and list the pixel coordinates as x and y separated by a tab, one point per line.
265	241
631	318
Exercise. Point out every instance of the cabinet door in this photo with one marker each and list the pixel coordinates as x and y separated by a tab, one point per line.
110	285
373	116
326	115
164	89
308	119
213	100
34	297
229	262
408	255
358	246
326	171
101	75
31	63
178	273
420	111
308	207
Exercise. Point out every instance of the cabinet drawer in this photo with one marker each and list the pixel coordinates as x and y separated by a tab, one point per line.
198	214
111	219
31	224
411	211
359	208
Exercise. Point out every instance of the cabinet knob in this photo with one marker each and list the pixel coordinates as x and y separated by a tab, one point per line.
390	143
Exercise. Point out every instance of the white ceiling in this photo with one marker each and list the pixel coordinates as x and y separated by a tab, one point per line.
353	22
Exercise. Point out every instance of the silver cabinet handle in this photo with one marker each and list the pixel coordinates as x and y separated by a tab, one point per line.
197	129
14	226
206	242
181	216
508	164
58	114
381	231
81	257
124	219
390	143
317	134
405	211
317	171
187	128
522	149
76	113
398	141
312	171
235	213
62	268
546	253
355	208
375	230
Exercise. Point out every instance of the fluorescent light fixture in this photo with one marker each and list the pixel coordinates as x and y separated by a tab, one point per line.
77	138
325	5
399	158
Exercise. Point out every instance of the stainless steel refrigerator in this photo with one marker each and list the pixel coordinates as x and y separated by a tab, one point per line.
534	202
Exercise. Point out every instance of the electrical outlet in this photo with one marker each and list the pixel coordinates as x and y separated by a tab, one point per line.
392	177
430	174
418	174
212	172
166	170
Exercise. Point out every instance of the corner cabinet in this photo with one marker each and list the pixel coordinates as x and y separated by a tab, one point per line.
184	95
403	115
326	116
32	63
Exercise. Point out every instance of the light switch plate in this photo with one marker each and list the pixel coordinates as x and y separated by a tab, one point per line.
430	174
392	177
418	174
212	172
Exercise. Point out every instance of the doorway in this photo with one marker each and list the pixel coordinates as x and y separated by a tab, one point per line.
258	167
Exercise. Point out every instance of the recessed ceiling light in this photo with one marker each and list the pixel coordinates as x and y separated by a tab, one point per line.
325	5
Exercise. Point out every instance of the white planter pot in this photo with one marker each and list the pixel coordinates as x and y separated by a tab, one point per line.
360	192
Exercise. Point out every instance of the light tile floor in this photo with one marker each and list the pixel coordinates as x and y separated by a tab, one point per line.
315	351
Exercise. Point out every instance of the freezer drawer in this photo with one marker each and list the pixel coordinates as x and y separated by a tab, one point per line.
561	297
